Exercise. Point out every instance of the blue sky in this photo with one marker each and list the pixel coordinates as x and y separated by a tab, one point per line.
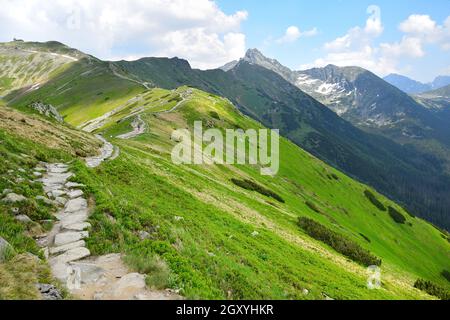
410	37
333	19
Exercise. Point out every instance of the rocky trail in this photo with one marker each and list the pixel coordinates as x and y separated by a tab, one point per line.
107	151
85	277
138	126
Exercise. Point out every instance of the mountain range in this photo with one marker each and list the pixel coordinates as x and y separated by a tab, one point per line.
259	87
411	86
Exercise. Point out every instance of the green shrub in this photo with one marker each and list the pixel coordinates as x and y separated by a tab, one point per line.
365	237
446	274
154	267
432	289
252	186
396	216
338	242
214	114
369	195
312	206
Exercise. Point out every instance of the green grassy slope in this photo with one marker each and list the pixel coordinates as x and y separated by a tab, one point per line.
412	176
202	224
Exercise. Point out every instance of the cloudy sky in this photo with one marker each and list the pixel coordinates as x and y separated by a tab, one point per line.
410	37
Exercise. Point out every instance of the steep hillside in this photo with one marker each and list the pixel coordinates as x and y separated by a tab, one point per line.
222	241
28	65
407	174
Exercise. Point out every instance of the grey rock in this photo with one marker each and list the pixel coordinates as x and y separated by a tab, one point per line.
49	292
71	255
69	237
61	201
143	235
90	273
57	193
67	247
73	194
74	185
75	205
47	110
78	226
14	198
5	248
6	191
24	219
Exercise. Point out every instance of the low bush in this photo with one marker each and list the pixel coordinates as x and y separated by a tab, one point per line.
373	199
446	274
432	289
338	242
312	206
252	186
365	237
214	114
154	267
396	216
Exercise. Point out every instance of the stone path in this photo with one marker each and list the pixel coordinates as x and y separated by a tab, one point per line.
65	243
86	277
138	126
106	152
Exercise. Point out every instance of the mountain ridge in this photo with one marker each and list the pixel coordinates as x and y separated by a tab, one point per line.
268	97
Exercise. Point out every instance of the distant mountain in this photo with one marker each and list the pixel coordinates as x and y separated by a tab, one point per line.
365	100
406	84
440	82
415	87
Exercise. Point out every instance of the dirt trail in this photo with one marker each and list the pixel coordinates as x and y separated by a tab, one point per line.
106	152
139	127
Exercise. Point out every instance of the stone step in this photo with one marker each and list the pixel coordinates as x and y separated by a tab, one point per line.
81	226
74	185
69	237
67	247
73	194
75	219
75	205
64	215
71	255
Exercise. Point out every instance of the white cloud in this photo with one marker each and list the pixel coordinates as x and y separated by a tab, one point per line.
418	24
193	29
427	31
407	47
358	46
293	33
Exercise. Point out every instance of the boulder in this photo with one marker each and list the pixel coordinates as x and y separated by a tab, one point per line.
49	292
24	219
14	198
5	248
